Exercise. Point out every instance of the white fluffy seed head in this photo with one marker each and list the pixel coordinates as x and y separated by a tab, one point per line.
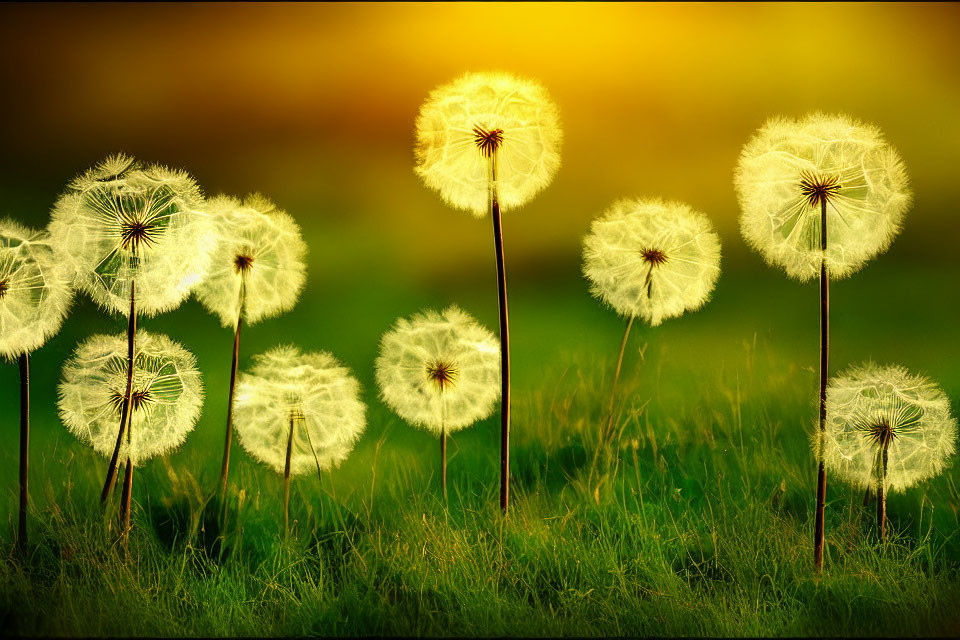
311	390
167	394
868	404
478	116
119	223
35	290
651	259
439	371
791	166
259	246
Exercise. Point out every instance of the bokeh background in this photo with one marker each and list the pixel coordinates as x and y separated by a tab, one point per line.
313	105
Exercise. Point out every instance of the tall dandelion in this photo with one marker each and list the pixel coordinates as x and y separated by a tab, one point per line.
35	295
257	271
440	372
488	141
820	196
650	259
886	429
139	241
167	395
296	411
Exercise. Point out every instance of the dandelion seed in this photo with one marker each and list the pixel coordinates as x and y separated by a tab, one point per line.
138	240
167	396
257	271
650	259
35	295
440	372
296	411
886	429
820	196
484	141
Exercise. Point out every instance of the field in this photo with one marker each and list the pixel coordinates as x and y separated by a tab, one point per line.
696	520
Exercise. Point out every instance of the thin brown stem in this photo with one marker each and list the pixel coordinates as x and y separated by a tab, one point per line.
125	502
286	480
443	462
504	341
225	466
24	362
616	378
882	493
127	396
818	529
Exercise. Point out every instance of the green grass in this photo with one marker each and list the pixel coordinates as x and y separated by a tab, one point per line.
697	520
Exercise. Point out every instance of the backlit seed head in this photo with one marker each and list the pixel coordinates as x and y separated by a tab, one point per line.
314	392
119	223
463	125
35	290
870	408
439	371
259	247
166	400
651	259
792	167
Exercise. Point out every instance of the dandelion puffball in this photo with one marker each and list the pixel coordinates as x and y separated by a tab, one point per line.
119	223
259	246
868	405
35	290
791	167
650	258
314	391
463	123
166	398
439	371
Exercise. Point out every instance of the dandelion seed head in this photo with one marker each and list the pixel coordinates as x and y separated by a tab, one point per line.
791	167
463	124
167	394
259	246
119	223
313	390
35	290
869	406
651	259
439	371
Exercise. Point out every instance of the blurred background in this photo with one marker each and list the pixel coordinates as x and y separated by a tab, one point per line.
313	105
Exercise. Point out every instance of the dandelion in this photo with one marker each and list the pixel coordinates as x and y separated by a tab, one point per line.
886	429
35	295
439	372
650	259
295	411
257	271
486	141
820	196
167	394
138	240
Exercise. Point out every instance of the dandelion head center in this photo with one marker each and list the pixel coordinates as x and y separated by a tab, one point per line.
818	189
242	263
139	399
882	433
443	374
4	286
487	141
135	234
654	257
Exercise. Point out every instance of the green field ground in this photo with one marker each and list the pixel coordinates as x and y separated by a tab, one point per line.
697	520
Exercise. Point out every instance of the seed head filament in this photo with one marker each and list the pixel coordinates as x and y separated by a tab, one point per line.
819	189
139	399
487	141
443	374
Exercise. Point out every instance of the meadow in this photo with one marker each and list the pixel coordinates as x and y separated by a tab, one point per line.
696	520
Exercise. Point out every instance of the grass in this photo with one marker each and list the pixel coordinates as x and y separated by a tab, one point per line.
697	520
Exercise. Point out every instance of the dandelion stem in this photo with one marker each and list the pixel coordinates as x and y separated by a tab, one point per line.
881	491
443	462
127	396
818	534
286	481
225	467
24	362
125	500
616	379
504	340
